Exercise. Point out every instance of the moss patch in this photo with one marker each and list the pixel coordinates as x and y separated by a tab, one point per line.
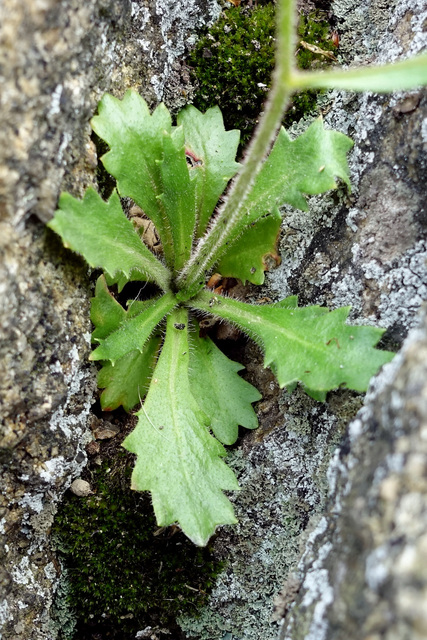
234	61
123	573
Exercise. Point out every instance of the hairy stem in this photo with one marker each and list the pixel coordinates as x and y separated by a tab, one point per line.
381	79
214	244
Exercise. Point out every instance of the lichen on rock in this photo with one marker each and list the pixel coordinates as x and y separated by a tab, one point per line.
370	544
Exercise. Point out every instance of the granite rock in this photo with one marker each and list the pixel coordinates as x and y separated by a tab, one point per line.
362	571
56	61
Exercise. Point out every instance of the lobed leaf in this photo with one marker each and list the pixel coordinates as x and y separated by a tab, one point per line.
310	344
134	331
211	151
246	258
178	460
178	196
309	165
121	280
102	234
220	392
126	382
136	138
105	312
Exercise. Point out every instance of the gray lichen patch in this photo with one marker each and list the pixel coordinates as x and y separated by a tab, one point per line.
46	399
46	95
67	57
39	302
177	24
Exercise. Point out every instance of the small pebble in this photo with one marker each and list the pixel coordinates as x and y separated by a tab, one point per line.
106	431
81	488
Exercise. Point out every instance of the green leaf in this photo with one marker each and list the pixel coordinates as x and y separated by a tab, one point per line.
134	331
398	76
310	344
246	258
219	391
102	234
126	382
121	280
178	196
291	302
320	396
136	151
178	460
309	164
105	312
212	151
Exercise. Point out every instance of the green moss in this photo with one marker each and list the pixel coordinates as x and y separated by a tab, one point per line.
313	29
234	61
121	576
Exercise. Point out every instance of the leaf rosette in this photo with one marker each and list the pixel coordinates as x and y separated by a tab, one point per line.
192	399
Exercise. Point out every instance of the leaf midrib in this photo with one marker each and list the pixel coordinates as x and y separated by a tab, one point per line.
174	369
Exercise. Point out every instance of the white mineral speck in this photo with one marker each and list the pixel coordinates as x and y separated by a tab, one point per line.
56	100
5	614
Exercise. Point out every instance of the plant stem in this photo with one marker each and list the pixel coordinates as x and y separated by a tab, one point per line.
405	74
214	244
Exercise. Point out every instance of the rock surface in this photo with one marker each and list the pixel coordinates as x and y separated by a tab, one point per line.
336	514
363	569
56	61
